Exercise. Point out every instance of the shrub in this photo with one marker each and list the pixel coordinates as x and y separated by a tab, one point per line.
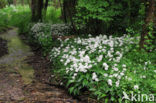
61	29
18	16
105	66
40	34
3	3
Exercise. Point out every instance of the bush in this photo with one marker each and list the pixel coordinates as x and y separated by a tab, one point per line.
104	66
61	29
3	3
40	34
18	16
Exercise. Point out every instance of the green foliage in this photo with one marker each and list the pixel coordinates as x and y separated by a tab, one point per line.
40	35
109	16
150	38
3	3
52	15
10	1
18	16
99	13
78	65
100	10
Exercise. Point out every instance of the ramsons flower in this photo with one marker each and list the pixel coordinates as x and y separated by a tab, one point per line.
136	87
105	65
117	83
94	77
109	82
99	58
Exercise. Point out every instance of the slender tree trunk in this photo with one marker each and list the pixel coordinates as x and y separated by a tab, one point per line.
46	5
150	16
36	7
39	11
68	11
22	2
64	11
29	3
14	2
33	9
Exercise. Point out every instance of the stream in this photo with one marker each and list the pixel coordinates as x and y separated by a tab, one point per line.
18	82
17	53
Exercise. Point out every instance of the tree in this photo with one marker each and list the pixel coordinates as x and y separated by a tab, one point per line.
2	3
22	2
149	23
14	2
37	7
68	11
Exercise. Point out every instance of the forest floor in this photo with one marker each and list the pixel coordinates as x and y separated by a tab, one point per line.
24	74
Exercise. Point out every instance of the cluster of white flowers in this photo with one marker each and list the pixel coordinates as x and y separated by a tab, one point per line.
94	77
136	87
83	54
37	28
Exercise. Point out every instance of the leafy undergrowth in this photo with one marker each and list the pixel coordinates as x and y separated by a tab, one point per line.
20	16
13	16
104	66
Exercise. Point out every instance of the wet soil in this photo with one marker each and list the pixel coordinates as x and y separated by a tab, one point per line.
24	75
3	47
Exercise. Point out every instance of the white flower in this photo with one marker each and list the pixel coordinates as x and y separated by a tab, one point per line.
73	77
105	65
117	83
109	82
115	75
75	74
124	66
94	77
115	69
119	77
129	79
136	87
110	76
121	73
135	71
124	69
105	74
99	58
143	76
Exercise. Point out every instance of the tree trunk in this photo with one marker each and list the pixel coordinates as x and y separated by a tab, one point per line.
14	2
44	11
36	7
46	5
149	18
29	3
64	11
22	2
